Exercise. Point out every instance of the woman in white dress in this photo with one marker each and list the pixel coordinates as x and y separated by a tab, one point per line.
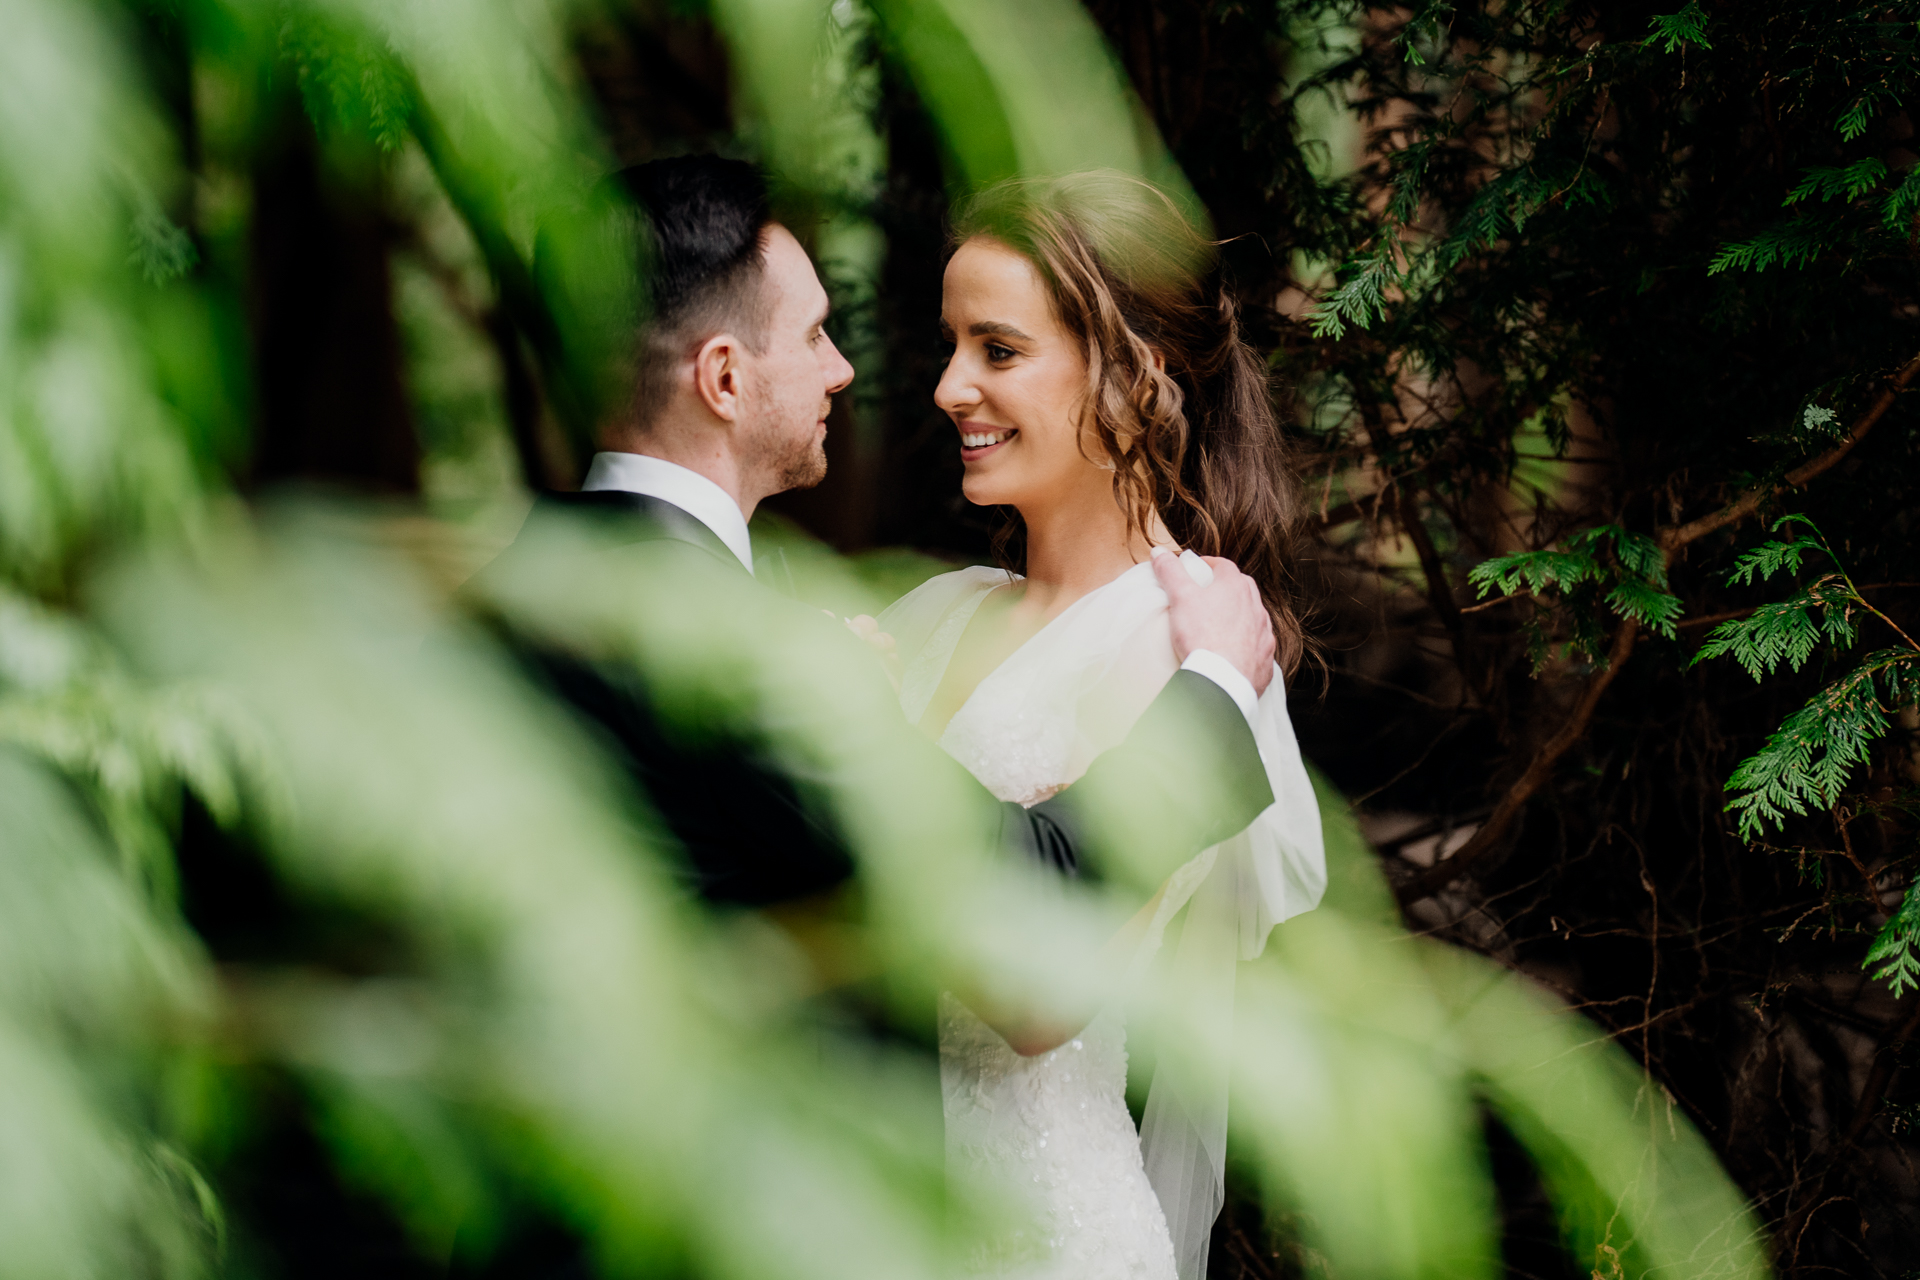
1101	392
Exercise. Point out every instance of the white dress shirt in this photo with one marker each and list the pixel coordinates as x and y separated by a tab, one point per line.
688	490
708	503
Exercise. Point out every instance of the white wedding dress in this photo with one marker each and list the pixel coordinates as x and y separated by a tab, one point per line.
1054	1129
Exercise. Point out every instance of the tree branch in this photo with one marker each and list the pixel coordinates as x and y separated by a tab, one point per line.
1886	1060
1443	873
1439	590
1671	540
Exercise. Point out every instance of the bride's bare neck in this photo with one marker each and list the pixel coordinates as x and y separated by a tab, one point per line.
1077	547
1072	548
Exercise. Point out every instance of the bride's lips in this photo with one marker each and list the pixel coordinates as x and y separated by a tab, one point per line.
978	440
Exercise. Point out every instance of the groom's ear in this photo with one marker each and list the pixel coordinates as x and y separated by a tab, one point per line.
717	373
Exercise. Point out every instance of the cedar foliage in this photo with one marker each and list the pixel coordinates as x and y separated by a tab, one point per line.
1590	272
1560	283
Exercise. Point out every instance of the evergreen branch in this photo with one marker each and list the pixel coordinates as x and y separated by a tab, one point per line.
1639	589
1646	604
1785	630
1770	558
1903	202
1896	949
1794	243
1669	541
1689	26
1678	536
1537	571
1891	624
1360	301
1832	182
1807	760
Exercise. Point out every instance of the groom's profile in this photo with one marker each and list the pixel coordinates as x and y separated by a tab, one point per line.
733	374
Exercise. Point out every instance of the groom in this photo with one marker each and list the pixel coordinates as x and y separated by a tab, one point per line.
734	375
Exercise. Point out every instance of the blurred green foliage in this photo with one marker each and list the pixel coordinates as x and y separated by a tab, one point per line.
471	980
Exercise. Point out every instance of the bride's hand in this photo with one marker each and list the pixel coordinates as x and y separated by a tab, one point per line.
1030	1038
883	644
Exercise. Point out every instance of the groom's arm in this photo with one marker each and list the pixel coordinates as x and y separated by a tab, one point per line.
1190	773
1188	776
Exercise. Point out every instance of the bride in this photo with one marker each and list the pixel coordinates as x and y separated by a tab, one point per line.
1101	391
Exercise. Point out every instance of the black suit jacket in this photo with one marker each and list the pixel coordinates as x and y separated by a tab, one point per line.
753	835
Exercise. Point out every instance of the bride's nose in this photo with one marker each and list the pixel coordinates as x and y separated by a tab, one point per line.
956	392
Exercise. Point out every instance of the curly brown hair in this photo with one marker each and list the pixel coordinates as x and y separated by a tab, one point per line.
1180	406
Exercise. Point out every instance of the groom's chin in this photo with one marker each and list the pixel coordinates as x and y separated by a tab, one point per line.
807	472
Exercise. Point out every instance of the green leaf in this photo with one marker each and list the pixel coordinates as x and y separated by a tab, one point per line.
1689	26
349	80
1897	947
1639	589
1819	418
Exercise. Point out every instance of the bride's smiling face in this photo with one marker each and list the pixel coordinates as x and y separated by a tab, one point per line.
1016	384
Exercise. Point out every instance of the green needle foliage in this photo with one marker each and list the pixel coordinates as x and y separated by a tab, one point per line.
1808	761
1627	572
463	974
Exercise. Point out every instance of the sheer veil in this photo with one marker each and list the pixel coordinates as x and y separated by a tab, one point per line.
1274	869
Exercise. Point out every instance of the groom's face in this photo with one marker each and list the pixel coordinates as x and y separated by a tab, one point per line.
796	376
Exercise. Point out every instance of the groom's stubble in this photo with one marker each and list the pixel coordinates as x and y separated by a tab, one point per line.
789	445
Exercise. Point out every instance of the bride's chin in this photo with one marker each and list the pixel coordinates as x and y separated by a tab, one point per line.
981	495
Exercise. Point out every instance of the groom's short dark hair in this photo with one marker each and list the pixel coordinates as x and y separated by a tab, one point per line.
702	255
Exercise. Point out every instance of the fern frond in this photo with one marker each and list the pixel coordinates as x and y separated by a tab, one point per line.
1638	554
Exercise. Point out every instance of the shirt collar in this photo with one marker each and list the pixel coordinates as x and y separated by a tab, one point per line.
688	490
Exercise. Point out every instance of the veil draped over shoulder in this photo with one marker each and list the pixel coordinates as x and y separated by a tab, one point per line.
1033	725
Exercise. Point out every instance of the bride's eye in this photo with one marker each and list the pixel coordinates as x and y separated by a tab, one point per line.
997	353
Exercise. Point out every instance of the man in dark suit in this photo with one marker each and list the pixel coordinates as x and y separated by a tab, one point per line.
733	378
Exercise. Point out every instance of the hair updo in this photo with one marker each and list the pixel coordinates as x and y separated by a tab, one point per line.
1198	442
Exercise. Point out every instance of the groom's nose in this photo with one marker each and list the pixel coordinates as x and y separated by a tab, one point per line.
838	370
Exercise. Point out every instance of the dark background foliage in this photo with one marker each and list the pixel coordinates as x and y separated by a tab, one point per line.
1567	357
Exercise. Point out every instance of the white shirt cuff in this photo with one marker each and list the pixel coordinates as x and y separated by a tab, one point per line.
1205	662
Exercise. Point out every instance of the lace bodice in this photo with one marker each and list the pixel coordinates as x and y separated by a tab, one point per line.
1053	1131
